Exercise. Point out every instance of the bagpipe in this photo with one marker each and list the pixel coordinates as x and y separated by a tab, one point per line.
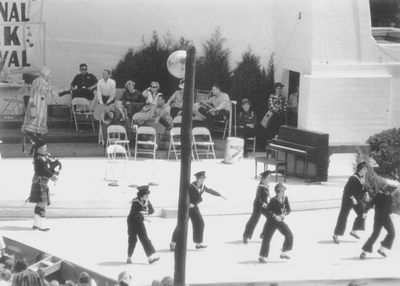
55	164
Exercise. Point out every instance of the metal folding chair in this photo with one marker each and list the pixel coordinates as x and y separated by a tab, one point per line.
146	141
202	142
81	113
112	155
116	134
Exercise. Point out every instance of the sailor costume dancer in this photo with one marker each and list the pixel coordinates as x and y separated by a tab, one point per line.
196	190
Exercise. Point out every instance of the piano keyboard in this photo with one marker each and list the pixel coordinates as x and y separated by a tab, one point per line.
287	148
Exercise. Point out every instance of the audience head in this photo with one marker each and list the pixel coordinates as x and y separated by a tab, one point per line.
84	278
8	264
155	86
245	104
160	100
216	89
130	85
83	68
5	275
54	283
106	74
20	265
124	279
167	281
278	87
41	272
69	283
156	282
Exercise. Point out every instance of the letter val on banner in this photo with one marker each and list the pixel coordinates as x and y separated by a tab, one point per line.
22	35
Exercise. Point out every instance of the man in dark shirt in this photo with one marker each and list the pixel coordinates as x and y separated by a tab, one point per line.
246	124
83	84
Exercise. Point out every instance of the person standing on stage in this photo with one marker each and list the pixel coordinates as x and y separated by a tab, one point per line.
140	208
46	168
383	202
196	190
277	208
259	205
353	195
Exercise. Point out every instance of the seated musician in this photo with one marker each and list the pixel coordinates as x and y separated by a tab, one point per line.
246	124
83	84
216	108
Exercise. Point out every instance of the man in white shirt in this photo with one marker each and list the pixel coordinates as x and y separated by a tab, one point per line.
106	89
216	108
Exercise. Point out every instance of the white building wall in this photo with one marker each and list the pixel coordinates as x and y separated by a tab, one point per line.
345	88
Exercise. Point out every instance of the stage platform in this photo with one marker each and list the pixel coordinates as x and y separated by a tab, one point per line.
100	244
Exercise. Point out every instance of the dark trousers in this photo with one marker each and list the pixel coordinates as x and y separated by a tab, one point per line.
359	222
105	98
83	92
277	121
137	230
210	118
379	222
174	111
197	223
269	229
252	223
245	133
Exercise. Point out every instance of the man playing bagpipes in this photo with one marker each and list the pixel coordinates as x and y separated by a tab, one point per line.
45	168
216	108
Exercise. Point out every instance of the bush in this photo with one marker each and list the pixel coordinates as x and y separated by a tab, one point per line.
385	150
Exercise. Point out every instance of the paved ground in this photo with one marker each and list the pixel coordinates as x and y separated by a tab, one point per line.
100	244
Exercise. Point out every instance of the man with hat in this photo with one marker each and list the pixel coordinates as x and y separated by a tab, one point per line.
277	104
46	168
259	205
140	208
246	124
196	190
383	202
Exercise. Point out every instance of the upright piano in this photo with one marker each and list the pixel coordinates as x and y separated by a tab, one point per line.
306	152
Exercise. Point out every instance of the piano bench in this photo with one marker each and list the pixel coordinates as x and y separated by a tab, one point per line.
271	161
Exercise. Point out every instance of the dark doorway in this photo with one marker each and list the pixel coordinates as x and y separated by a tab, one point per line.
293	98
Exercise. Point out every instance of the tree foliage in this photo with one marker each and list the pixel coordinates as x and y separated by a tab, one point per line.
213	65
385	13
385	149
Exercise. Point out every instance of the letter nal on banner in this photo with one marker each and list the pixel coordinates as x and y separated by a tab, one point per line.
22	35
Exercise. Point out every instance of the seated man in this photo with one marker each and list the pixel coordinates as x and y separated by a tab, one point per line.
216	108
106	89
246	124
160	113
176	101
83	84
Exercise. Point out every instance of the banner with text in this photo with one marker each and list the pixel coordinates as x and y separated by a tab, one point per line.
22	35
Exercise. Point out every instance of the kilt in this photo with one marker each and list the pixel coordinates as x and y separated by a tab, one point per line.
39	190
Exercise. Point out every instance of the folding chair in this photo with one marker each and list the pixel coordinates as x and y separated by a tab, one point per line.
112	152
177	121
100	139
175	143
146	141
116	134
81	113
202	141
252	143
14	102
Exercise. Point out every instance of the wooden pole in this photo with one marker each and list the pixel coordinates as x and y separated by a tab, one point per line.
186	157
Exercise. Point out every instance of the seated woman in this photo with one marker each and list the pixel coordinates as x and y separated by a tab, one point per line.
132	99
151	94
